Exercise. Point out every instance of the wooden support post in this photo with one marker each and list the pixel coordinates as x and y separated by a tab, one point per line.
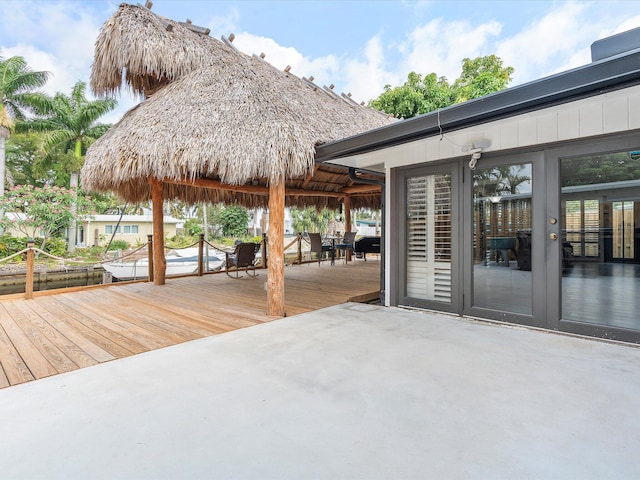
150	256
347	222
299	249
275	282
28	288
159	261
263	250
201	255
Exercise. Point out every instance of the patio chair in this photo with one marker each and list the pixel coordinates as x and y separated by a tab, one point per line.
318	246
347	244
243	256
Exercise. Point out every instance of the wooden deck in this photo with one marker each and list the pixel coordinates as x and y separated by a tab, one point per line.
55	333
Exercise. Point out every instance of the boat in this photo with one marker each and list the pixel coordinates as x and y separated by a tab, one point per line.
179	262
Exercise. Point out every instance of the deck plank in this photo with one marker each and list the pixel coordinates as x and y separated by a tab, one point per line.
39	335
150	319
74	321
35	361
59	331
14	368
4	381
77	347
99	325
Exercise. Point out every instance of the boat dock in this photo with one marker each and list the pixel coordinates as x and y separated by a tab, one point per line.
59	331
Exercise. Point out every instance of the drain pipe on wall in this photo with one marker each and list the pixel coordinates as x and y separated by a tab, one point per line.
353	175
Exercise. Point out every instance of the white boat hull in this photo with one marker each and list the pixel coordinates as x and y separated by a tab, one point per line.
176	265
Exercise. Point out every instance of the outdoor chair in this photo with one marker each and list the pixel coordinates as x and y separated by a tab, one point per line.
242	257
319	247
347	244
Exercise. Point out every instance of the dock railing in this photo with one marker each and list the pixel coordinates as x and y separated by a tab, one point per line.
30	252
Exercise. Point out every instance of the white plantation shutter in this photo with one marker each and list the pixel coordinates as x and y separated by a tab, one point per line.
429	238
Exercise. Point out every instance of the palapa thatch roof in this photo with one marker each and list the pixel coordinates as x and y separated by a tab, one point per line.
216	117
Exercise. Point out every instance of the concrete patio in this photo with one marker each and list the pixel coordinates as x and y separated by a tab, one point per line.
352	391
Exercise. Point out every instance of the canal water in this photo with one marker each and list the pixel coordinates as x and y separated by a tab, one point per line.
14	282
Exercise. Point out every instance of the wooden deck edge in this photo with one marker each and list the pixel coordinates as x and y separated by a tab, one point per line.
365	297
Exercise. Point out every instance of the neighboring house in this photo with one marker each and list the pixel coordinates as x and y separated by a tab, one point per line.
368	228
258	221
15	232
133	229
98	230
522	206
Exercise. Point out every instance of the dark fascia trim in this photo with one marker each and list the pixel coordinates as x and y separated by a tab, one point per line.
595	78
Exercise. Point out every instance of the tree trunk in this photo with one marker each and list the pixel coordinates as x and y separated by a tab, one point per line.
347	223
4	134
73	227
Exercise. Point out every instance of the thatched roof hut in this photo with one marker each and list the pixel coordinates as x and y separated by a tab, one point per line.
217	125
215	118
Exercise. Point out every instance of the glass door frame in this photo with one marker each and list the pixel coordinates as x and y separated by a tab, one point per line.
400	227
539	241
553	156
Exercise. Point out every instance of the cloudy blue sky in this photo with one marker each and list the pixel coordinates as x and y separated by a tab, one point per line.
359	46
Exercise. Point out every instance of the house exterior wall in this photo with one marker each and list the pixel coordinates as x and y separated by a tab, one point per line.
97	232
613	112
598	124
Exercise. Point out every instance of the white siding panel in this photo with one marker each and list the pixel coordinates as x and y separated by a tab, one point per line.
446	148
527	131
634	111
568	117
492	132
548	128
508	135
591	118
616	113
413	152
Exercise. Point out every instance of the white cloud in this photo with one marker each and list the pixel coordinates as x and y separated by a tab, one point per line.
365	79
321	68
224	25
58	37
439	46
558	40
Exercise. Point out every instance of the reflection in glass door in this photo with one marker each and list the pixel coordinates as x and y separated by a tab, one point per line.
600	199
428	272
502	238
623	229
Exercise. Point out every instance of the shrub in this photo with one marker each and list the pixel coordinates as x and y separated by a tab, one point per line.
56	246
10	245
119	245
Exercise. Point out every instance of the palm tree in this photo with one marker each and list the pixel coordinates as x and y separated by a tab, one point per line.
69	124
18	95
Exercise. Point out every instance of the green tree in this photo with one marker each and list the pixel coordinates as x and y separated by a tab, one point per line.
22	152
310	220
18	96
234	220
42	211
70	125
481	76
418	95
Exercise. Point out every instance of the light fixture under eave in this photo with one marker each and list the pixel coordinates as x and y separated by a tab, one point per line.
476	153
